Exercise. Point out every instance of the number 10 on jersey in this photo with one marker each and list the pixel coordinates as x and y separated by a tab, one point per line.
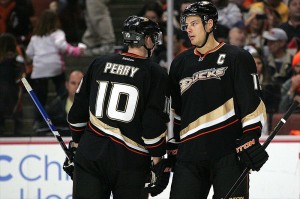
117	94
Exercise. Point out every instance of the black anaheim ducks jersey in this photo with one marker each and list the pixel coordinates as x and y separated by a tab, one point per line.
120	110
215	99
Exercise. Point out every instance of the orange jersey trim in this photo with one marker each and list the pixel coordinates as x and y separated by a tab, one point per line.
149	147
257	127
77	130
196	52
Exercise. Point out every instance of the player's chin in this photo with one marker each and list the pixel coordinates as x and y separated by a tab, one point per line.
192	39
194	43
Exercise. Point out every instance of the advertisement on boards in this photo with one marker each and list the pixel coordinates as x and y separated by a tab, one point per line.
31	168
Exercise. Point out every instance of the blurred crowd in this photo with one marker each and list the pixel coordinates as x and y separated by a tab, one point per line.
36	35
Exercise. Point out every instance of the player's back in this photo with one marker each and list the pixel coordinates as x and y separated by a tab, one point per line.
120	88
120	101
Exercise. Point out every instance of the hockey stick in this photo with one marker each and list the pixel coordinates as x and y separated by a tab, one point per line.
45	116
266	143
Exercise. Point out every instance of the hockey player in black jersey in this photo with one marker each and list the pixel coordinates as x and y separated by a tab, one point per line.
118	120
218	112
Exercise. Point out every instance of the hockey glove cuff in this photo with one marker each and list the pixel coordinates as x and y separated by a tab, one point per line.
251	152
69	161
160	175
172	149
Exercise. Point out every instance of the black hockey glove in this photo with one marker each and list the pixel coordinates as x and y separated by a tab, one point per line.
172	149
160	175
251	153
69	163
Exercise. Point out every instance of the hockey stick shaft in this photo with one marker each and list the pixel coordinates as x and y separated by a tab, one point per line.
266	143
45	115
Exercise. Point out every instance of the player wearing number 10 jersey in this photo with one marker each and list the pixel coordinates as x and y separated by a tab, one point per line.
119	117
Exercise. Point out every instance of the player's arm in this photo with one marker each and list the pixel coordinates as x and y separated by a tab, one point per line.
78	115
78	118
174	134
156	115
155	119
251	111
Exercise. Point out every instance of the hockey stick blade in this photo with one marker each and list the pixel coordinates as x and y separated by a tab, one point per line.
266	143
45	115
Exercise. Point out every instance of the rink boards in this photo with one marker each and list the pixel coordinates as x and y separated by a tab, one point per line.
31	168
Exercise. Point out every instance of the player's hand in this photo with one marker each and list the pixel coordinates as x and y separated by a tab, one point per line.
251	152
160	175
69	161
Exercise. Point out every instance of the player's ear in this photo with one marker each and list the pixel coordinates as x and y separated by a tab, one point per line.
148	41
209	24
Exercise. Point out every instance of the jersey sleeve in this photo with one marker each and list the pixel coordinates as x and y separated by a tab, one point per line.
250	107
78	115
174	137
156	115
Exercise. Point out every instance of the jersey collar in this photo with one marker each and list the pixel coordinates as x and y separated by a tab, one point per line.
201	57
133	55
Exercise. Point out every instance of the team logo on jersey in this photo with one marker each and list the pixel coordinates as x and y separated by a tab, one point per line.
213	73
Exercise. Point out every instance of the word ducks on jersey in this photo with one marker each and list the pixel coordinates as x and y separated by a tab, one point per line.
119	69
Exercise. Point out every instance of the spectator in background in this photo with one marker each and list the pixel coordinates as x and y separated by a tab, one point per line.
15	19
99	35
278	61
237	34
263	76
46	48
270	92
152	11
256	24
221	33
272	7
292	27
228	13
278	66
54	6
60	106
72	20
291	87
244	5
180	6
10	73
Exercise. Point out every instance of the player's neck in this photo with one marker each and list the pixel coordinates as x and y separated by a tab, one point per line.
138	51
210	44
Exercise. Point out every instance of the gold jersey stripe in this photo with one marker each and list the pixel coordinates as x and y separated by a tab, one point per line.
115	132
258	115
214	117
154	140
